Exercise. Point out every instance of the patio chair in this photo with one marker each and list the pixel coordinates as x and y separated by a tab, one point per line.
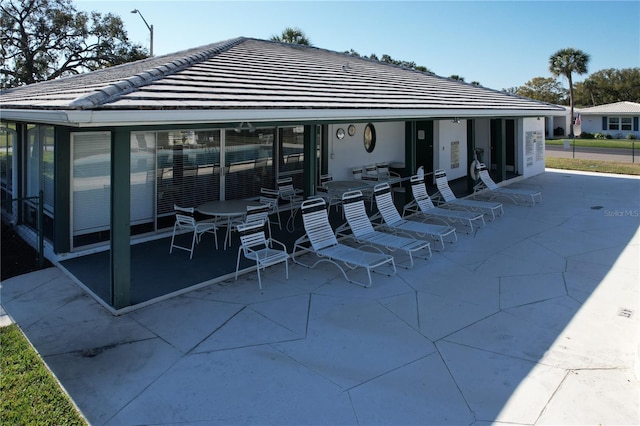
359	228
293	196
257	213
331	198
424	207
449	200
390	219
270	197
186	221
254	245
519	196
320	240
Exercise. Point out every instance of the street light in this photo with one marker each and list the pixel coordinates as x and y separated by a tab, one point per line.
148	26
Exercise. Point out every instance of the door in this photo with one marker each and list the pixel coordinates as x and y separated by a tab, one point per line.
424	148
510	155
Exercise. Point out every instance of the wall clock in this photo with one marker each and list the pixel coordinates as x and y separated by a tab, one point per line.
351	129
340	133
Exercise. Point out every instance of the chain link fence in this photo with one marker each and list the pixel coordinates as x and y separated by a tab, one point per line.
23	250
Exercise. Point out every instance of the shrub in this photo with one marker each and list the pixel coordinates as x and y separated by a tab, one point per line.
599	136
558	131
586	135
631	136
608	136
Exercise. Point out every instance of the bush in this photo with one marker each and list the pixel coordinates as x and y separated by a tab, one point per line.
631	136
558	131
586	135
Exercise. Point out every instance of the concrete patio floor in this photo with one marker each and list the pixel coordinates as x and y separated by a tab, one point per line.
532	320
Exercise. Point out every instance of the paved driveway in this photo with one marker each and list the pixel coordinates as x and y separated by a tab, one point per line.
532	320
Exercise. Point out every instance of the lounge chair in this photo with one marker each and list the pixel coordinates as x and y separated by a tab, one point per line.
487	187
359	228
489	208
319	239
257	247
423	206
390	219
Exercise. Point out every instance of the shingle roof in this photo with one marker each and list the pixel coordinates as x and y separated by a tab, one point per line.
630	108
250	73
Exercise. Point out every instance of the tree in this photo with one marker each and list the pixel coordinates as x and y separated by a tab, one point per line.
609	86
456	77
543	89
389	60
46	39
292	35
565	62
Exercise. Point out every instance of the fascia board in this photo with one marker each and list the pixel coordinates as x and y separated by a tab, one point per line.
164	117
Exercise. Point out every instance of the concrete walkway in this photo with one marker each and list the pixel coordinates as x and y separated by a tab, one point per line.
532	320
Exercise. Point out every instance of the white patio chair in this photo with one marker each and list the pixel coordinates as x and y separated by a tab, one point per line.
390	219
422	206
449	200
293	196
255	246
487	187
185	221
257	213
359	228
320	240
330	197
270	196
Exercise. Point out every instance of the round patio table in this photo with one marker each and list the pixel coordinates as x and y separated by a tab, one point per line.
226	209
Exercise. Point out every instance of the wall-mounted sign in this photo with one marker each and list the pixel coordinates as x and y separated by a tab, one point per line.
455	154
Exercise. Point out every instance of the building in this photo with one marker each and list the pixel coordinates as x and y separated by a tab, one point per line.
113	150
619	119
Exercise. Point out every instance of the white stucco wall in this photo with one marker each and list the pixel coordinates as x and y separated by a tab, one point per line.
349	152
446	135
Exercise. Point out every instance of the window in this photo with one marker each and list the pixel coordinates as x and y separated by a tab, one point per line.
91	187
619	123
8	139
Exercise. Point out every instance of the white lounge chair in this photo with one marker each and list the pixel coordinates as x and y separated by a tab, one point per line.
489	208
487	187
390	219
257	247
359	228
319	239
424	207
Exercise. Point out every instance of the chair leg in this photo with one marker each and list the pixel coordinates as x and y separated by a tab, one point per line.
193	243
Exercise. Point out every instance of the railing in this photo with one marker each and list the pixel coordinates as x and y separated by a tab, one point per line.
29	211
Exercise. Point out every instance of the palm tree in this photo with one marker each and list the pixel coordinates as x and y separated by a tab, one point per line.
292	35
565	62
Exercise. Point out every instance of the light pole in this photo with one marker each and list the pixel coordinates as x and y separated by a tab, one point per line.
150	30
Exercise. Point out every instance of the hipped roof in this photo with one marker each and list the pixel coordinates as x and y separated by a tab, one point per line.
619	108
256	80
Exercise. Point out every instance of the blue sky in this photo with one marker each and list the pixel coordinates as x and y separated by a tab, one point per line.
497	43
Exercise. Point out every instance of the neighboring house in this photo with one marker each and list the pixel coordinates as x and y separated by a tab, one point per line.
618	119
113	150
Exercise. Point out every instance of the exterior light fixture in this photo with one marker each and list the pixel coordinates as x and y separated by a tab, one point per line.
150	27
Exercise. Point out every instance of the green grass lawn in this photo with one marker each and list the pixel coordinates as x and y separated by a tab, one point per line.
30	393
593	165
597	143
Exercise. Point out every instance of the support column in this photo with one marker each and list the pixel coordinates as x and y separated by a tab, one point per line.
310	159
120	258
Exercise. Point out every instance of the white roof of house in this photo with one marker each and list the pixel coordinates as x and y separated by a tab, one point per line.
619	108
252	79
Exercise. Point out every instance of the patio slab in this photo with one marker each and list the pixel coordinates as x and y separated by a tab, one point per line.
533	320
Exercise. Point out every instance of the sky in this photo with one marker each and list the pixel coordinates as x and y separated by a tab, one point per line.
500	44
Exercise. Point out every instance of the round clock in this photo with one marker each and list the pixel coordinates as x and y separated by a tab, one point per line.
340	133
351	129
